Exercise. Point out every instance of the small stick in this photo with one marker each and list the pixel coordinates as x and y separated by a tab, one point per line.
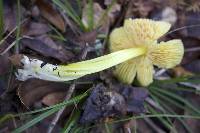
56	118
194	49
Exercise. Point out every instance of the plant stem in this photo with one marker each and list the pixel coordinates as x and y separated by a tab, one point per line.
56	118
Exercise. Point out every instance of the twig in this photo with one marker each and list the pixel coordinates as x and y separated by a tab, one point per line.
67	97
56	118
194	49
160	72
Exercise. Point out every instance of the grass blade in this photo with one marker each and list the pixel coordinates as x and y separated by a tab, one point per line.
36	120
65	103
72	121
178	98
70	12
90	14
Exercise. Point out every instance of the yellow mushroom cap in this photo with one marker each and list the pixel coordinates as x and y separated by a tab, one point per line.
144	33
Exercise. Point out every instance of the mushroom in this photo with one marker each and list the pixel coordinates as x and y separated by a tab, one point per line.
144	33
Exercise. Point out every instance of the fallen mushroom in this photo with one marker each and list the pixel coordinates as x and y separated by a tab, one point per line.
135	44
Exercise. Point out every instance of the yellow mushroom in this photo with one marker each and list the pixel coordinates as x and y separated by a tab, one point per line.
137	33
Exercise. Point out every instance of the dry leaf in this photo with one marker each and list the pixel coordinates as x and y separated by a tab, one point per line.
47	47
35	29
180	71
53	98
5	64
33	90
9	15
48	12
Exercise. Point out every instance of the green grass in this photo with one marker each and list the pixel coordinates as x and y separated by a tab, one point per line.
70	12
47	112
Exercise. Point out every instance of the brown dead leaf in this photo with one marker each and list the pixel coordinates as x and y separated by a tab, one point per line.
48	12
88	37
16	59
5	64
193	67
53	98
189	19
47	47
180	71
35	29
98	13
189	56
9	15
139	8
33	90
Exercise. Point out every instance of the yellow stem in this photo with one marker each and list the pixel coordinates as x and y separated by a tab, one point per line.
101	63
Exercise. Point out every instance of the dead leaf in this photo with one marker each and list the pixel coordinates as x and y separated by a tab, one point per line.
53	98
5	64
33	90
47	47
16	59
139	8
180	71
193	55
88	37
98	12
48	12
166	14
34	29
134	97
9	15
189	19
2	86
193	67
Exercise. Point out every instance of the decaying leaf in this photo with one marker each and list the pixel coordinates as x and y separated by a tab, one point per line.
48	12
166	14
5	64
47	47
2	87
189	20
16	59
190	56
180	72
34	90
106	103
140	8
101	18
53	98
88	37
9	15
134	97
35	29
193	67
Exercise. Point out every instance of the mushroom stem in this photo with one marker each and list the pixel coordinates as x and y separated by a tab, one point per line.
34	68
